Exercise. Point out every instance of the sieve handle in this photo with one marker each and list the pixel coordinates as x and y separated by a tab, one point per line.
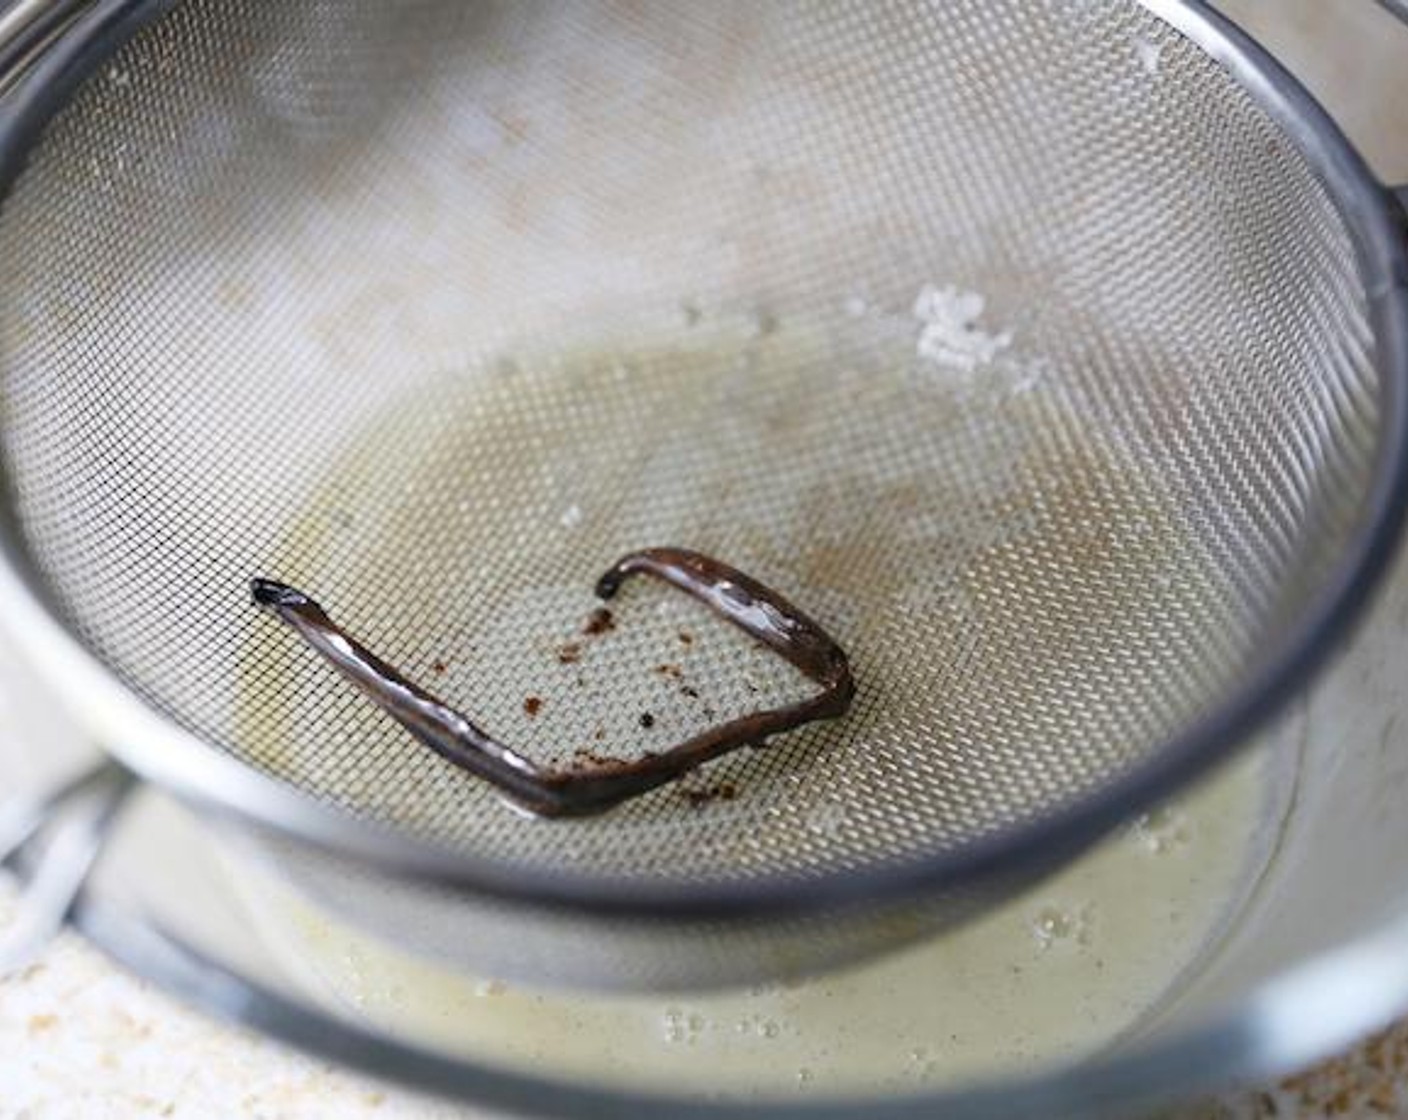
56	836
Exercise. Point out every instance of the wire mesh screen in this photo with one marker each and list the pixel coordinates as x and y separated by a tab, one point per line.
1011	341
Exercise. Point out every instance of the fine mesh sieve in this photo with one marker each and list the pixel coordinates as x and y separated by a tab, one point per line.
1016	343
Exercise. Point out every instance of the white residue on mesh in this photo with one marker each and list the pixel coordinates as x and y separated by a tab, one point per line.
1148	54
949	334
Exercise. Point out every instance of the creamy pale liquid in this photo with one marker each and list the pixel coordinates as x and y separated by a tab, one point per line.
1079	962
903	505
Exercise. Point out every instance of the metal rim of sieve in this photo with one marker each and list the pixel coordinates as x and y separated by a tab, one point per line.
162	752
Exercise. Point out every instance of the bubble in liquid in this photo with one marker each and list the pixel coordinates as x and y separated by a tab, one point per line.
679	1026
1163	830
804	1075
490	988
1053	925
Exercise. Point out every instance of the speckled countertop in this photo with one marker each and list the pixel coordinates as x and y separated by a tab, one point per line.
79	1039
